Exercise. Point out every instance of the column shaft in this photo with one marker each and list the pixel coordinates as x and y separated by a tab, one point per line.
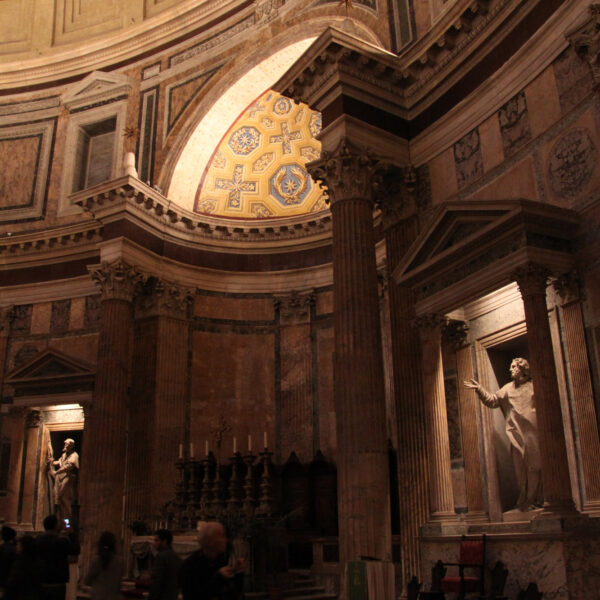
363	478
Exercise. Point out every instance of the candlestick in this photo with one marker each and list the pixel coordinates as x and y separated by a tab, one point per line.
234	445
191	449
205	447
180	451
265	439
249	443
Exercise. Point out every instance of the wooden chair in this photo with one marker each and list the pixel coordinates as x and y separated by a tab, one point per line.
471	558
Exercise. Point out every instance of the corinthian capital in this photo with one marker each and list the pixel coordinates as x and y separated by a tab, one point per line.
117	280
586	41
294	308
347	172
532	279
164	298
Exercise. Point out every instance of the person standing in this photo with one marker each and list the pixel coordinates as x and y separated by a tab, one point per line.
8	553
54	550
205	574
164	577
106	570
24	581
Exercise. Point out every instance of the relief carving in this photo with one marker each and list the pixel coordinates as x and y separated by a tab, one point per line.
586	41
514	123
572	162
468	158
164	298
117	280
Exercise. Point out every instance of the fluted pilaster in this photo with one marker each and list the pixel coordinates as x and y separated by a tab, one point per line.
532	280
363	479
581	385
441	496
412	437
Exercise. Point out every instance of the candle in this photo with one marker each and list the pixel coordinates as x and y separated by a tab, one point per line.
265	439
206	447
249	443
180	451
191	449
234	445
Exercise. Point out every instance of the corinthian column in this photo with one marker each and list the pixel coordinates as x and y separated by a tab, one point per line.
105	438
441	497
363	478
532	280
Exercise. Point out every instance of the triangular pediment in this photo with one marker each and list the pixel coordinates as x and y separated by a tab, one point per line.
96	87
48	370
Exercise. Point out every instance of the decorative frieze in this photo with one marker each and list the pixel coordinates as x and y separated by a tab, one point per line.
117	280
163	298
294	308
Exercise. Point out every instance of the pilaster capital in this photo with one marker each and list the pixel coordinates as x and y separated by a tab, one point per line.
6	317
586	41
532	279
567	287
33	418
159	297
395	192
117	280
430	325
347	172
294	308
454	333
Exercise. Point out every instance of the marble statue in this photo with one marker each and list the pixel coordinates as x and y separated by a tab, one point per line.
64	473
516	400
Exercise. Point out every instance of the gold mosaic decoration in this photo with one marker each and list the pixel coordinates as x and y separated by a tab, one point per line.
257	171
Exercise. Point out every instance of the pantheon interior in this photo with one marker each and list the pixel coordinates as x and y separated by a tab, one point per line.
252	250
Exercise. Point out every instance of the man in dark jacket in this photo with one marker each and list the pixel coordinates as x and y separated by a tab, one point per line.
205	575
164	577
54	549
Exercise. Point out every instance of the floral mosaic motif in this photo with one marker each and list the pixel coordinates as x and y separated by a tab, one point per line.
514	123
285	138
572	163
468	159
263	162
290	185
309	153
260	211
299	116
320	204
255	107
282	106
207	205
244	140
236	187
219	160
268	122
316	124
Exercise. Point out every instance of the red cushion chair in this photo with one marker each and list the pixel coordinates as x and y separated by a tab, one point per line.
472	560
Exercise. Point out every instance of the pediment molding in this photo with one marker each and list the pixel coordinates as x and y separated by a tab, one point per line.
469	249
51	372
97	87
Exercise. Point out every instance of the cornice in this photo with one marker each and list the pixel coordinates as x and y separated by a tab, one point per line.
128	197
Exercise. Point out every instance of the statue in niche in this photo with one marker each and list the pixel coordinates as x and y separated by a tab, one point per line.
64	473
516	400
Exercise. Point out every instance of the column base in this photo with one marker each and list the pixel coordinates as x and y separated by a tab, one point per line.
445	523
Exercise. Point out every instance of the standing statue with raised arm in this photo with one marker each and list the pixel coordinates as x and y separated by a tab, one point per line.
64	472
516	400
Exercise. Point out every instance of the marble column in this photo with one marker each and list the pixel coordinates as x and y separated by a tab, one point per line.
579	375
362	452
106	427
400	232
532	280
160	392
441	497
